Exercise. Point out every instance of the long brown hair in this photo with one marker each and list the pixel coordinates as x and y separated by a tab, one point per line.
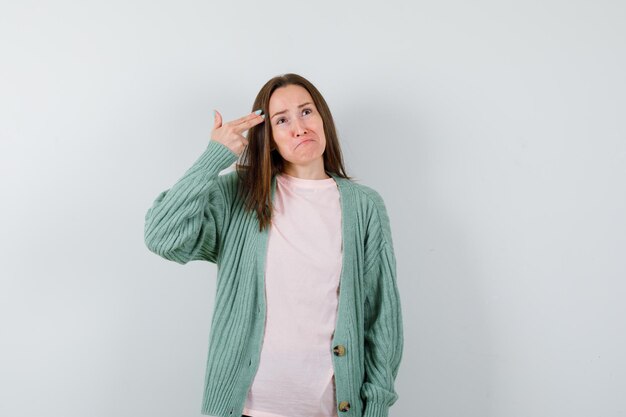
261	161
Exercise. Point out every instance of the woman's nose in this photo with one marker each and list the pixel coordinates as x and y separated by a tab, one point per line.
299	127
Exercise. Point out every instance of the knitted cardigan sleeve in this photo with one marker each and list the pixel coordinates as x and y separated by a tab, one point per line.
185	221
384	338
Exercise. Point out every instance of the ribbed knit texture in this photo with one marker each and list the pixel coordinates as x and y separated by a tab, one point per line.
201	218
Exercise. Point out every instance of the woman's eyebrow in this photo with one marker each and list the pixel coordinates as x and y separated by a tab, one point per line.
283	111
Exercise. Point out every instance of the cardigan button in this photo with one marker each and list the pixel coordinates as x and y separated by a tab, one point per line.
344	406
339	350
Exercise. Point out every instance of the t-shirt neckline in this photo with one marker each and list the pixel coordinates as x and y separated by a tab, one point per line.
304	182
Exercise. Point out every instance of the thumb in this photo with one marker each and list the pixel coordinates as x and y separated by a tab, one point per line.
217	119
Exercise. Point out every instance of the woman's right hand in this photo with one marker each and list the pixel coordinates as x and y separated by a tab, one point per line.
230	134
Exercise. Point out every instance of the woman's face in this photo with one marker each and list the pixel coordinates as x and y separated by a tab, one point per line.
297	126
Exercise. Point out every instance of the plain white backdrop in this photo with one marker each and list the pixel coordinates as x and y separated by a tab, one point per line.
494	130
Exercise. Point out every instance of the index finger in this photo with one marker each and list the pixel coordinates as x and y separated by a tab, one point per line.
249	122
244	118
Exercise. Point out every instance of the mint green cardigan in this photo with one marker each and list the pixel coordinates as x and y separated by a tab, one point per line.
201	218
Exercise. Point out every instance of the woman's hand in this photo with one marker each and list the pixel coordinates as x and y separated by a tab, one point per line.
230	134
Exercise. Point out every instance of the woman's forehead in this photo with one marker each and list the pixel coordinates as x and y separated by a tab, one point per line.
291	95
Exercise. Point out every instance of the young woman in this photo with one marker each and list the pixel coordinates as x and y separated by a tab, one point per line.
307	319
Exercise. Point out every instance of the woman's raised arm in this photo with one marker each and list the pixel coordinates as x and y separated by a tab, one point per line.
185	221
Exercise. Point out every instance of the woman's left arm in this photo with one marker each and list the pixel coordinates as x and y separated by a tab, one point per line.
384	339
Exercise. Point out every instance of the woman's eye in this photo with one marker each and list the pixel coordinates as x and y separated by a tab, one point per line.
304	110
